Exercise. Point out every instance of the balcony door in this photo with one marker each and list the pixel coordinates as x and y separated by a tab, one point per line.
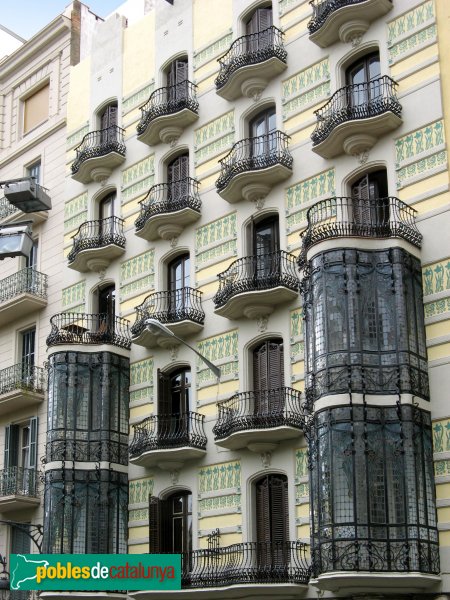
177	80
266	246
258	24
179	279
177	179
364	77
28	356
370	203
263	136
20	458
107	313
170	524
268	378
174	406
108	124
272	521
106	209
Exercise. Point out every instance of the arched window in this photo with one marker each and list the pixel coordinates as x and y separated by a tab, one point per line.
268	377
370	204
108	123
272	520
178	284
265	246
363	77
258	23
177	79
107	206
262	130
170	523
177	178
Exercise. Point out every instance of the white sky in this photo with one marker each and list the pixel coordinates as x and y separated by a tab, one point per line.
27	17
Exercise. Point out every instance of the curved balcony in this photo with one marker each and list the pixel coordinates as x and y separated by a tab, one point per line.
96	244
259	417
250	63
18	489
167	209
343	20
253	286
167	112
253	166
21	294
355	117
254	569
377	218
163	439
90	329
181	310
98	154
21	386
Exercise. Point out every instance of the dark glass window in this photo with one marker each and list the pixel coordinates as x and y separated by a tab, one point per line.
372	491
266	245
364	327
170	523
263	132
370	204
363	77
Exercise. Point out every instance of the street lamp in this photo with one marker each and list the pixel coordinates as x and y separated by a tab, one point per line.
158	329
26	195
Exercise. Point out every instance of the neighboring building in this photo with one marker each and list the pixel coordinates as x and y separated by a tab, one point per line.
33	95
195	196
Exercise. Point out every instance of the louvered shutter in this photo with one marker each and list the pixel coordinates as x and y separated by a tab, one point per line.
279	510
263	528
164	403
154	525
33	442
177	177
11	457
361	205
261	379
275	370
176	78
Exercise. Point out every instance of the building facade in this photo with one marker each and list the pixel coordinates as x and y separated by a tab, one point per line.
269	180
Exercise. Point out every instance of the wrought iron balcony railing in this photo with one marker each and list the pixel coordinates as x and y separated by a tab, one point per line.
356	217
170	307
167	101
162	432
357	101
259	410
256	273
252	154
250	50
22	377
322	9
27	280
246	563
97	234
6	208
17	481
80	328
169	198
98	143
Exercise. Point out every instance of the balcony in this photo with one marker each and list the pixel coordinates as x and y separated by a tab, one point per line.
168	439
253	286
253	569
250	63
21	294
343	20
167	209
18	489
21	386
355	117
253	166
181	310
167	112
93	329
96	244
11	214
98	154
379	218
259	417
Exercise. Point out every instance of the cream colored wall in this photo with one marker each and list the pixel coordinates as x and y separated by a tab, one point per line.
138	56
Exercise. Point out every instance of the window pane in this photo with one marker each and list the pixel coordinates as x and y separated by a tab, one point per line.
35	109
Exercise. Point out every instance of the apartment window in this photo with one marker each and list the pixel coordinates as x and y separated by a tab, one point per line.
268	377
272	520
170	523
178	280
259	23
28	347
262	130
265	242
20	458
177	80
370	204
34	170
177	178
36	109
364	78
31	259
108	124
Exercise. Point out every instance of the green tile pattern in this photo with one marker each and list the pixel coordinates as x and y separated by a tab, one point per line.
138	98
297	195
75	138
306	86
301	471
214	137
140	169
140	490
74	294
222	476
442	468
219	347
219	503
441	436
138	515
410	20
285	5
219	46
209	245
140	270
297	322
413	42
436	277
432	309
142	372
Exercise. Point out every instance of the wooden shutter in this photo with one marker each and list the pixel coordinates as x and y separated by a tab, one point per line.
275	369
11	457
164	398
279	508
33	442
263	510
154	525
361	208
177	174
